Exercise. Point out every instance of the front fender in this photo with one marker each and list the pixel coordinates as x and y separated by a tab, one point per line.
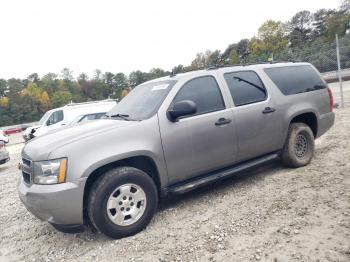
90	153
122	156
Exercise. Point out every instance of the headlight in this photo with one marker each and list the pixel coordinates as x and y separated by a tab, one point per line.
50	172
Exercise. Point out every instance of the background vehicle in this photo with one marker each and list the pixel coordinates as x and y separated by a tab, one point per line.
87	117
4	155
60	117
172	135
3	137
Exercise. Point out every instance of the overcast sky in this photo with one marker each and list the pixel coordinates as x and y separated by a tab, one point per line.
120	36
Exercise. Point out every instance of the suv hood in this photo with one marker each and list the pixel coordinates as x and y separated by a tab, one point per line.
39	148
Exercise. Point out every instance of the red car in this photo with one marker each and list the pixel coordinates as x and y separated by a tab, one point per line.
13	130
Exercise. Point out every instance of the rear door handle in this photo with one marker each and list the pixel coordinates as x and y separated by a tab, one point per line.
222	121
268	110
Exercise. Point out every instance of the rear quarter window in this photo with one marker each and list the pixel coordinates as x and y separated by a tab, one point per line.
295	79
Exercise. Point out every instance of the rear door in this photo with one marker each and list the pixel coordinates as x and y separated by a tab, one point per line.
201	142
257	123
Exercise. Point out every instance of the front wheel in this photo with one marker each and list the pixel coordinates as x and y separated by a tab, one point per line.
122	202
299	146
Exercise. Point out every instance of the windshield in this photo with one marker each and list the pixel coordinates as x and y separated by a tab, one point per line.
143	101
44	118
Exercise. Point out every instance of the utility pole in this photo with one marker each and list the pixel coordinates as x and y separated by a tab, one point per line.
339	72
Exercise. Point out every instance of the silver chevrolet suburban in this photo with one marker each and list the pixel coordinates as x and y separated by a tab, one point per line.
171	135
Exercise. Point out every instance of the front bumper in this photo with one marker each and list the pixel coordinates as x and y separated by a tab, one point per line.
60	204
4	156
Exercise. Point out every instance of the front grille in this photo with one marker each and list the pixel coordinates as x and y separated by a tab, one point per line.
27	170
26	177
26	162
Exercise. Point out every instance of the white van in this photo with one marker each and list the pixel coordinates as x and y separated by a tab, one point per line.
63	116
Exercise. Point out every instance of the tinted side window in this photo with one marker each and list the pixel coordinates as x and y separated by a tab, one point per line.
245	87
295	79
205	92
55	118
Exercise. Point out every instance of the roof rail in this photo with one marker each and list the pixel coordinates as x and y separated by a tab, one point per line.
213	67
91	102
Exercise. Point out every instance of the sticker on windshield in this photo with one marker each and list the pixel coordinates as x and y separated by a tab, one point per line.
160	87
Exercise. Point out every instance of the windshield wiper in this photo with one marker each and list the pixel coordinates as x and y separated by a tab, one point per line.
122	116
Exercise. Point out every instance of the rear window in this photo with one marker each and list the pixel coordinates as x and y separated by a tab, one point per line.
295	79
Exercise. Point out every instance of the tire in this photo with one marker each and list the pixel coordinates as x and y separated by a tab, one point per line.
115	205
299	146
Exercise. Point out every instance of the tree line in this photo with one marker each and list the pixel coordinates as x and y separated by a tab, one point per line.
305	37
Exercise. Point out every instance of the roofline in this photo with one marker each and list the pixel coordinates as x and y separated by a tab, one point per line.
90	102
179	76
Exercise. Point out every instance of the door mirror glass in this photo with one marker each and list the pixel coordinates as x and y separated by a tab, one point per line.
48	122
182	108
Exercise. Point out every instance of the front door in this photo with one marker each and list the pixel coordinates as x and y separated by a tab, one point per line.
201	142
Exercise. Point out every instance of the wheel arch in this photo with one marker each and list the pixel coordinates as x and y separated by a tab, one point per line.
308	118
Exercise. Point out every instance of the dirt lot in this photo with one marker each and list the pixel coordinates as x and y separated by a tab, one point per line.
271	214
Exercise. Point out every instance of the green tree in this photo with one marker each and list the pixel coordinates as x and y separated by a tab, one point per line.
300	28
156	73
336	23
345	7
67	74
206	59
3	87
178	69
270	40
137	77
44	102
33	91
33	78
121	83
49	83
15	86
319	22
83	77
242	47
61	98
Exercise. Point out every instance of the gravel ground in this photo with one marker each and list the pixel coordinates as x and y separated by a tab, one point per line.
271	214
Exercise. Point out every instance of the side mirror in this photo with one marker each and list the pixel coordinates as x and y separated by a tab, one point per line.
182	108
48	122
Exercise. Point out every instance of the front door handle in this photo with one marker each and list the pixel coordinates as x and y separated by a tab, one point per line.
268	110
222	121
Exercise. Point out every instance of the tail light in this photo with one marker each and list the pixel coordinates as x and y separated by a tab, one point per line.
331	100
2	144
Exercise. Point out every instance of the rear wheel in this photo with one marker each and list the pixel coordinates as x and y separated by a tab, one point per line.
122	202
299	146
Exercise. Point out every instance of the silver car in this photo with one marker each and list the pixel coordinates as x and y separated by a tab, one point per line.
171	135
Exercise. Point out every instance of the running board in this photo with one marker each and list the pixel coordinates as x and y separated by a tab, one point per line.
221	174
